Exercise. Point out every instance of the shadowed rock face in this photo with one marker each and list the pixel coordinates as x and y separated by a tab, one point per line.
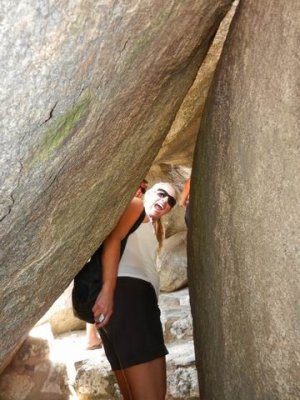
243	275
89	90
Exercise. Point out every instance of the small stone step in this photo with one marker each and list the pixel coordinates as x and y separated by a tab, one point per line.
182	379
176	316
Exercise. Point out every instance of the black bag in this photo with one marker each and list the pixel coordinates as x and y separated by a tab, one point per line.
88	281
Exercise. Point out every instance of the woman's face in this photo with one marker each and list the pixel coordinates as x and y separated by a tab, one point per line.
159	200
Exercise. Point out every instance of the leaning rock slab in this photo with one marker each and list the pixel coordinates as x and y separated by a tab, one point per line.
89	90
178	147
244	255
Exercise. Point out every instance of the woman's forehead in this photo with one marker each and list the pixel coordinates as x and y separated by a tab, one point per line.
164	185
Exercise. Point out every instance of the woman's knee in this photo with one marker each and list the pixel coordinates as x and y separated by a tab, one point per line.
147	381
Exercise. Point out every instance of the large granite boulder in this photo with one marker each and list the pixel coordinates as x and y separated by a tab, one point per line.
243	274
89	91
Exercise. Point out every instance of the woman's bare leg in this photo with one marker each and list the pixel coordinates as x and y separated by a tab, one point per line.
124	386
92	337
147	381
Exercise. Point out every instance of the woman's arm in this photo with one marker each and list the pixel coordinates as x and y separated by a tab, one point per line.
111	258
185	193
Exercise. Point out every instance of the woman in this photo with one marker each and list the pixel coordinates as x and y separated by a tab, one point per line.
130	324
92	335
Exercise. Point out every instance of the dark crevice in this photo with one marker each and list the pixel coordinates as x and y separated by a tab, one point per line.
125	44
50	114
9	208
12	194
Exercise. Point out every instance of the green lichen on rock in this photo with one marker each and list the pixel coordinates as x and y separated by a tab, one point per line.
61	129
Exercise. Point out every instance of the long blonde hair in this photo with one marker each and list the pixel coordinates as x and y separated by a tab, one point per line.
159	233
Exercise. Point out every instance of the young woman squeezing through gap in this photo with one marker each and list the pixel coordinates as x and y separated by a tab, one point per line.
126	310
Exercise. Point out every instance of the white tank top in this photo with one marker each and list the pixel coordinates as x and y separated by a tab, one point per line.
139	257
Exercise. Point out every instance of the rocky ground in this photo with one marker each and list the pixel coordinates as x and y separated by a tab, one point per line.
49	367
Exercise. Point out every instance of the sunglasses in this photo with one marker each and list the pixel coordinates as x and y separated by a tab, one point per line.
162	194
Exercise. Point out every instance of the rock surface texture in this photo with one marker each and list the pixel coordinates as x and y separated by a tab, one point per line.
89	90
243	272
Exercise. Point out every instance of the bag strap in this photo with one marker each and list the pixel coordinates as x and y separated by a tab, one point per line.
132	229
138	222
96	257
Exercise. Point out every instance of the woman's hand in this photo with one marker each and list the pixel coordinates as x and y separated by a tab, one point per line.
110	259
103	307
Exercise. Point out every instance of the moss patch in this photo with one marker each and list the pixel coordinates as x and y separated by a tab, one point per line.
61	130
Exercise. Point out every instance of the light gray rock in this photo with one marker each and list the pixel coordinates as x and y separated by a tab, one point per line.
88	92
177	325
176	316
181	374
172	263
244	255
60	315
183	384
32	375
178	299
95	380
182	328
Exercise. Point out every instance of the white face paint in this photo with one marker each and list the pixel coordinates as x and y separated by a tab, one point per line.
159	200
